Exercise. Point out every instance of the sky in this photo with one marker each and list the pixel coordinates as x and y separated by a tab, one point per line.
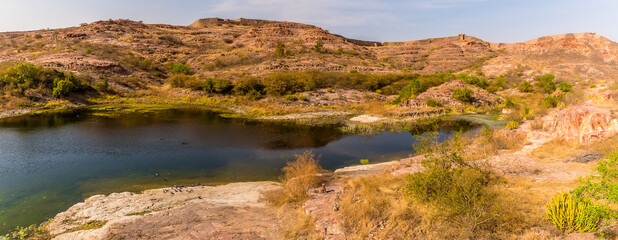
378	20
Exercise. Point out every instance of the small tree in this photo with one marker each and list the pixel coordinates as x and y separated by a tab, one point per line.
463	94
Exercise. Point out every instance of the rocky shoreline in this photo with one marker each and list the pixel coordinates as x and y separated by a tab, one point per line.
237	210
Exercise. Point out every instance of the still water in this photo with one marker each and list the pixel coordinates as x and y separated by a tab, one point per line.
50	162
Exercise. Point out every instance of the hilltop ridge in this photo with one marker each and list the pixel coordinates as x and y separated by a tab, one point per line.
133	56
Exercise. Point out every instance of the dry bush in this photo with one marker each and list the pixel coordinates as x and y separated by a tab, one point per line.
491	141
606	145
536	125
556	150
298	177
295	223
374	207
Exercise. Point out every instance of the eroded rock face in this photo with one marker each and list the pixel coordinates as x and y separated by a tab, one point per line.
444	95
582	123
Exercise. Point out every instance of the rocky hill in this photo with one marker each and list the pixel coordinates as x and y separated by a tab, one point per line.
132	55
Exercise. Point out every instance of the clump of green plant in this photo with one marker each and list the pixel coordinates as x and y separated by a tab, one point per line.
250	87
474	80
38	232
298	177
64	87
102	86
181	80
364	161
463	94
179	68
280	50
551	101
291	97
546	83
318	47
571	215
512	125
592	203
510	103
420	83
565	87
23	76
525	86
433	103
461	189
89	225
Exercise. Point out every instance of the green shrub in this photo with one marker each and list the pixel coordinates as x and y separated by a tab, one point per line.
318	46
509	103
102	86
63	88
244	85
280	50
525	86
31	232
463	94
565	87
179	68
302	97
474	80
601	187
254	95
218	85
570	215
364	161
433	103
420	83
512	125
140	63
460	189
546	83
291	97
550	101
181	80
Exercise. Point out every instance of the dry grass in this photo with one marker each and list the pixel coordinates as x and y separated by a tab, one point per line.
374	207
295	223
492	141
298	177
606	145
556	150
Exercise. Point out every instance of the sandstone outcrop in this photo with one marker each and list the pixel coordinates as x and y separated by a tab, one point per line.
207	212
582	123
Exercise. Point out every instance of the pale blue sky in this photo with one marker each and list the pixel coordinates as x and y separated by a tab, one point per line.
380	20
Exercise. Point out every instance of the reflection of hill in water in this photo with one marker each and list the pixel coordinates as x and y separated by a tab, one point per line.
192	127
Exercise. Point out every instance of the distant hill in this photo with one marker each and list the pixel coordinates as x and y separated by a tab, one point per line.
123	49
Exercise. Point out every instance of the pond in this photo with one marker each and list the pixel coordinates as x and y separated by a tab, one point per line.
52	161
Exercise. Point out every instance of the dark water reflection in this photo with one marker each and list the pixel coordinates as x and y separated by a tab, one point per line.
49	162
